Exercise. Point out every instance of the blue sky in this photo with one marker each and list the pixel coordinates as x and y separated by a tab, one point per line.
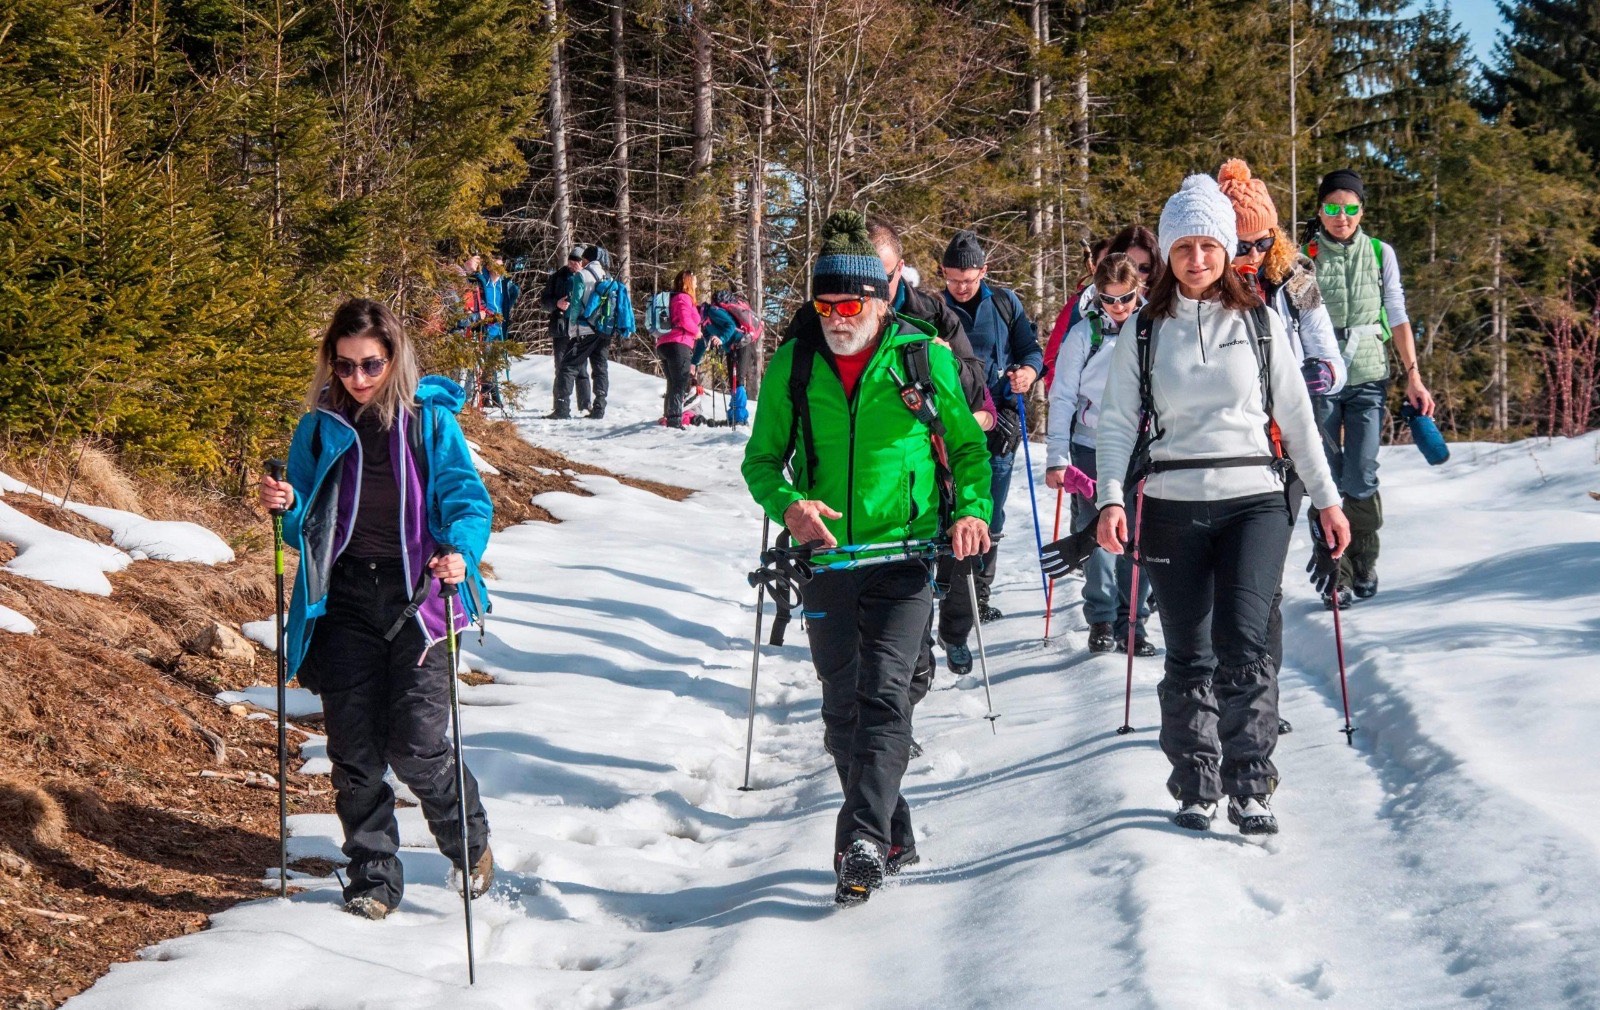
1481	19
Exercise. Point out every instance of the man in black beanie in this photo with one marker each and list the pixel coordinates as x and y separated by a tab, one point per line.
555	300
1006	341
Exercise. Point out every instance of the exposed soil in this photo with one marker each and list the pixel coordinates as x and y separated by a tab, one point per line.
110	838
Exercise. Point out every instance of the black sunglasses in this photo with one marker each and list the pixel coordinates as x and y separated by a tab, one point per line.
1118	299
1260	245
370	367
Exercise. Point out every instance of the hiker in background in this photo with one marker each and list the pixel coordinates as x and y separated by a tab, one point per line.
1360	281
676	346
1139	244
865	468
1004	338
500	295
1205	401
555	300
1081	301
599	311
1076	398
730	327
393	481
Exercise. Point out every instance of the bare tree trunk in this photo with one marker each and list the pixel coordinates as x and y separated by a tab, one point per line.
1499	325
755	217
558	132
1081	87
700	165
1036	131
619	112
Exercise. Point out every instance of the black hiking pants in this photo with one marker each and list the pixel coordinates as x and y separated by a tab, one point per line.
866	629
561	344
675	366
591	351
382	710
1216	567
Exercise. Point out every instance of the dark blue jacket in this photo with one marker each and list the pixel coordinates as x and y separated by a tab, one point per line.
994	345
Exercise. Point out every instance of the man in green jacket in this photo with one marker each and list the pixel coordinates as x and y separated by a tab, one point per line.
866	470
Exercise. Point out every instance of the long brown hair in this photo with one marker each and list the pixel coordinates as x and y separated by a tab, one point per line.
362	317
1137	235
684	284
1235	292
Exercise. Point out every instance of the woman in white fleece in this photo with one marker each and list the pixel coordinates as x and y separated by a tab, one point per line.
1212	529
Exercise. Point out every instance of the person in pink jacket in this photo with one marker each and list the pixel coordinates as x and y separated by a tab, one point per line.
677	345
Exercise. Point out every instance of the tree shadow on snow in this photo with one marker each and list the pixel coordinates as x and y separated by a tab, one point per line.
627	610
544	750
678	589
1551	572
1044	764
796	895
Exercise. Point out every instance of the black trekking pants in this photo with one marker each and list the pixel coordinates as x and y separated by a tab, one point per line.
866	628
588	350
675	365
381	710
1294	498
561	343
1216	567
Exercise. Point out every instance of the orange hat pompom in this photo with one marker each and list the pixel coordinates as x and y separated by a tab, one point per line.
1252	203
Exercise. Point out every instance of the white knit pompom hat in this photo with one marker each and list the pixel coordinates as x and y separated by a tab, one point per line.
1199	207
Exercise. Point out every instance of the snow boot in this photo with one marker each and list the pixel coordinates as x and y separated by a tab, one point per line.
1365	588
1346	599
860	869
900	857
988	614
1252	815
1284	729
482	874
367	907
958	658
558	415
1141	646
1101	637
1195	816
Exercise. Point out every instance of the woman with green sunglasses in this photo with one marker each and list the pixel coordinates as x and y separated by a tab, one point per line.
1360	281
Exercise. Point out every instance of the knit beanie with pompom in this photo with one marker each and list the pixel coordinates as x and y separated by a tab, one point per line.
1198	208
1253	209
848	265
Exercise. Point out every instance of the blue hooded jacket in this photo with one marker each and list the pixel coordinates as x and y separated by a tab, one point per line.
993	344
453	508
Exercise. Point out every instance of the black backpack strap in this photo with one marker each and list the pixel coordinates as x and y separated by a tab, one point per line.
1150	430
800	434
920	396
1007	309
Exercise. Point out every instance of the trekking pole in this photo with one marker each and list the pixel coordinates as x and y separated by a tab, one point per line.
276	468
1033	499
1133	610
448	590
755	661
1050	593
1349	731
983	658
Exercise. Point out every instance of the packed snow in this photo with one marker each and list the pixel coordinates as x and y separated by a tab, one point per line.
16	623
158	540
57	558
1449	859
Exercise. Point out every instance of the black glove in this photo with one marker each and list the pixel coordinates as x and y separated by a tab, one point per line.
1006	434
1323	566
1068	554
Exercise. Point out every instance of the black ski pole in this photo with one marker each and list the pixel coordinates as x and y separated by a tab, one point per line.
755	660
448	590
1349	731
1133	610
275	469
977	626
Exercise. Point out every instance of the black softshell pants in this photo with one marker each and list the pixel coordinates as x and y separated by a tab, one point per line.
586	351
381	710
1216	567
866	629
675	366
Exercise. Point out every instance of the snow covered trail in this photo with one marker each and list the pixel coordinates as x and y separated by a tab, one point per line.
1450	858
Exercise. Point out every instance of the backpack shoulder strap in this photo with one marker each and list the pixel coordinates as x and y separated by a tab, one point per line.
920	396
1005	306
1095	333
800	434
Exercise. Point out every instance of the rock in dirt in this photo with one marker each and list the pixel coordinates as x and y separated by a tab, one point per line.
218	641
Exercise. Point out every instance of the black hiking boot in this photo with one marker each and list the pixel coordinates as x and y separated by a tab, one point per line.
1346	599
988	614
1284	728
900	857
558	415
860	869
1195	816
1252	815
1101	637
1366	588
958	658
1141	646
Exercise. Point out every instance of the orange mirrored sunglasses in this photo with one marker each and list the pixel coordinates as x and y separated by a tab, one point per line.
847	308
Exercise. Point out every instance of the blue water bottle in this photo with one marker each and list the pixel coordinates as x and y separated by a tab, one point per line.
1426	434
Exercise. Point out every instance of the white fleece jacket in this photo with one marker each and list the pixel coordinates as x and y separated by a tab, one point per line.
1207	392
1075	394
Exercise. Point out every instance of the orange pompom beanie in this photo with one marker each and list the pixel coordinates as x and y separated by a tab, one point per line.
1252	204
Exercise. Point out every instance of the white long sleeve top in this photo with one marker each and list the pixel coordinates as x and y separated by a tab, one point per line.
1080	382
1206	388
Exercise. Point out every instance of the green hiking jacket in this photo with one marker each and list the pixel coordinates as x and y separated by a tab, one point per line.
875	460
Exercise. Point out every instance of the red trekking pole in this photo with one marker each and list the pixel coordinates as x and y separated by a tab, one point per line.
1050	593
1133	609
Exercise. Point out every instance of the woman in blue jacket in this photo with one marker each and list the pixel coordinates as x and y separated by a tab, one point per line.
383	501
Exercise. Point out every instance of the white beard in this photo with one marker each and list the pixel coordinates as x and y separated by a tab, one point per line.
849	342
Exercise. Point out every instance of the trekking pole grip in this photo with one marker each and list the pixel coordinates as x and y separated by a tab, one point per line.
276	470
446	589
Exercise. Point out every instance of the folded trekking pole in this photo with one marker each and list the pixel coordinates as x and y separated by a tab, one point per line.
1050	593
983	657
1133	609
448	590
275	469
755	660
1349	731
1033	499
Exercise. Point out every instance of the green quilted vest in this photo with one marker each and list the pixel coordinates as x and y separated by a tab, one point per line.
1351	279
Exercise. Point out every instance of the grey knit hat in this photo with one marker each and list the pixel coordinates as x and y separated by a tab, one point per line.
1198	208
576	253
964	252
848	265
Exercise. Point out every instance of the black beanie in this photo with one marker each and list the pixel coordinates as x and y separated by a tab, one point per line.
964	252
591	254
1341	178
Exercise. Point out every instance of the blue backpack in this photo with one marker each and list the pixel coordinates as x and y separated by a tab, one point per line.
658	318
608	310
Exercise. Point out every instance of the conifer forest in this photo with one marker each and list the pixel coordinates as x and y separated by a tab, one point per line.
188	186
